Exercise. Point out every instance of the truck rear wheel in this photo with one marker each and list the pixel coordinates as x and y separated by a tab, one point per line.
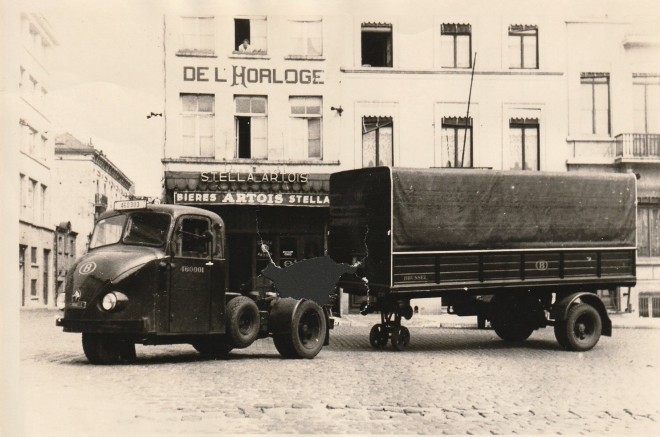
107	349
581	330
242	322
299	328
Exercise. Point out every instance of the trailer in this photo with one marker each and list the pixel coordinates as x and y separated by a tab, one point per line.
519	250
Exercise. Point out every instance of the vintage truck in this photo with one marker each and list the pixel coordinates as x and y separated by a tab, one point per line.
157	274
520	250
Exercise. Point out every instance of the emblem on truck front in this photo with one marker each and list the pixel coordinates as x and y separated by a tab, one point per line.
87	268
541	265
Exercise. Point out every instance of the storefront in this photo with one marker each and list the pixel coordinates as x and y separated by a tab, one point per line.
285	212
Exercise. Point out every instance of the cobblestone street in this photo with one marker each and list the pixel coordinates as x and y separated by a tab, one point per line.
450	381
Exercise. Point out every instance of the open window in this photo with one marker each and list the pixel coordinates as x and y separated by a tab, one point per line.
250	35
192	238
376	45
251	119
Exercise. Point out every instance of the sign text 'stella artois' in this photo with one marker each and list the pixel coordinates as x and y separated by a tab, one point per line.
237	198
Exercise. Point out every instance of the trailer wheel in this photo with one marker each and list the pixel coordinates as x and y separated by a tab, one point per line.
581	329
243	322
378	336
107	349
299	328
400	338
212	347
511	331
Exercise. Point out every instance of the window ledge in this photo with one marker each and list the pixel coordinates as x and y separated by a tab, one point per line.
304	58
249	55
590	138
449	70
192	53
248	161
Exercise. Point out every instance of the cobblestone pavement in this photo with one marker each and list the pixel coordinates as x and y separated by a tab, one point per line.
450	381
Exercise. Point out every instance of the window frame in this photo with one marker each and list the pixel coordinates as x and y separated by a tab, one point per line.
645	81
525	124
593	80
309	116
307	26
373	27
455	30
648	250
237	44
197	117
458	125
389	121
197	36
251	114
520	31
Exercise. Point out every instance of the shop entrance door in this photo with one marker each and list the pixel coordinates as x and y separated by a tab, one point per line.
240	248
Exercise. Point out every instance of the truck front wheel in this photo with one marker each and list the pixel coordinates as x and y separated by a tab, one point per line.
299	328
581	329
107	349
242	321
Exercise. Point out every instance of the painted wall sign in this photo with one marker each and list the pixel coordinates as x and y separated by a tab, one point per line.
218	176
236	198
242	75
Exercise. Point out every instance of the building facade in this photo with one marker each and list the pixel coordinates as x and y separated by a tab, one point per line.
253	129
88	183
30	127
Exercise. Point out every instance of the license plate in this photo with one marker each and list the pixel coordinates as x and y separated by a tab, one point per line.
79	304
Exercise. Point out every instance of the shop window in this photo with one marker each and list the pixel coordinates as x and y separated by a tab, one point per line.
198	35
376	45
456	141
377	141
305	37
646	103
250	35
524	144
251	119
523	46
595	103
198	115
456	45
648	230
306	122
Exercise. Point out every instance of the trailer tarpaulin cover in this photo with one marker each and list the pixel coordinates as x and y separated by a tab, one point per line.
435	209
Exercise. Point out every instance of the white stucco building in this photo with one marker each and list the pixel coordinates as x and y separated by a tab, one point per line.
330	86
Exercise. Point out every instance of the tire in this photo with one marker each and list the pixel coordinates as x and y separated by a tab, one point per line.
512	331
299	328
243	322
400	338
378	336
581	330
107	349
212	347
514	319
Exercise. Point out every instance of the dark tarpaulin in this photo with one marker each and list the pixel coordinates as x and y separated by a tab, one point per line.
436	209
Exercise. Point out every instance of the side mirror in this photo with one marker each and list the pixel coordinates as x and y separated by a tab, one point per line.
207	235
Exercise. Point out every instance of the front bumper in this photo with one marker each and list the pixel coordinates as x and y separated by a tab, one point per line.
102	326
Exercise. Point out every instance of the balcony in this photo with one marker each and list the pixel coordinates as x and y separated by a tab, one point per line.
100	202
637	148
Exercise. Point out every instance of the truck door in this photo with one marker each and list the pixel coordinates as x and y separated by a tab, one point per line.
191	275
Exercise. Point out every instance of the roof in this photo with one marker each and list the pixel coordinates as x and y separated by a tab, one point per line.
66	141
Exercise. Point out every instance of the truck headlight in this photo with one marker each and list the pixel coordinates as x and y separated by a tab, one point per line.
60	301
109	301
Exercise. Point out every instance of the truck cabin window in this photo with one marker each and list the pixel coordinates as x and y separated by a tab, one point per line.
192	238
139	228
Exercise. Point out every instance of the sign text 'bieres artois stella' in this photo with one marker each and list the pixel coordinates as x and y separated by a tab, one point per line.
251	196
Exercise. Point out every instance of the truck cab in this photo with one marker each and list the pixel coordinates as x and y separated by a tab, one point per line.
157	274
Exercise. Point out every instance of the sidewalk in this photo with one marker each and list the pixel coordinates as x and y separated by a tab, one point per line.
619	321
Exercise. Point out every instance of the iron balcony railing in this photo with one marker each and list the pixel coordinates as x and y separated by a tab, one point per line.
638	146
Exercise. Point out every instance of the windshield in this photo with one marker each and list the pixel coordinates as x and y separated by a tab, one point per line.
141	228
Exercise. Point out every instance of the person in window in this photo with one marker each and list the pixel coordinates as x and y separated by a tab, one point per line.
245	47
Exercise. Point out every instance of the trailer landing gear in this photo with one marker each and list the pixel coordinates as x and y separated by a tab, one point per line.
388	330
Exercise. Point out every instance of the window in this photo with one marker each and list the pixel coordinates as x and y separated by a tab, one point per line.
251	126
30	199
648	230
33	289
456	45
197	35
457	142
595	103
646	103
377	144
254	30
191	240
21	83
44	203
43	146
198	116
306	117
376	45
524	144
523	46
46	271
305	37
23	194
33	256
